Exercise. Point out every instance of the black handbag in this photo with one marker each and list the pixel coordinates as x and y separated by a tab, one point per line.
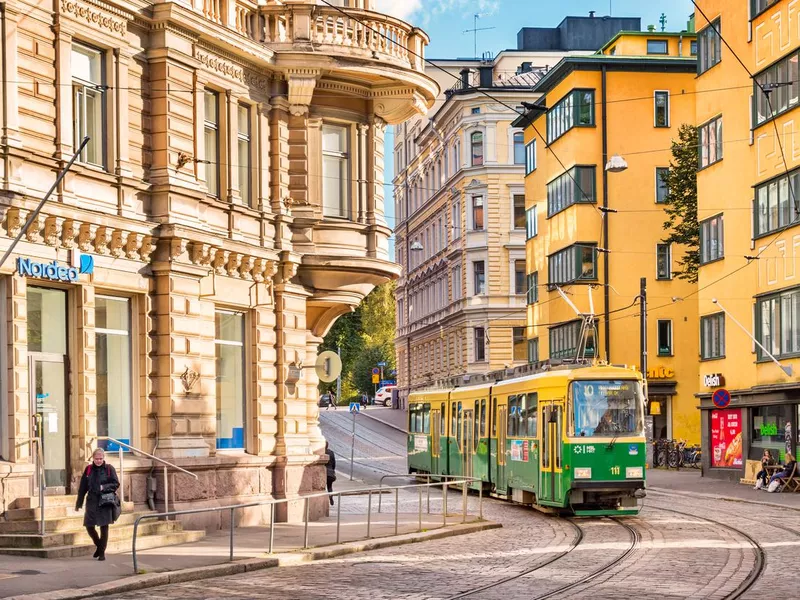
107	499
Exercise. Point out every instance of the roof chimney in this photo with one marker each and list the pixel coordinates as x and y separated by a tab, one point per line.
591	14
465	77
485	76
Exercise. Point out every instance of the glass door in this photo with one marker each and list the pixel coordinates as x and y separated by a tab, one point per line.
49	398
547	471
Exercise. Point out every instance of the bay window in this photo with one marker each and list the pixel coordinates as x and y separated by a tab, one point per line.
335	172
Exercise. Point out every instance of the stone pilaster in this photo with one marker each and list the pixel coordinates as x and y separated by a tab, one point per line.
311	381
265	424
9	92
85	373
19	412
122	108
279	153
263	164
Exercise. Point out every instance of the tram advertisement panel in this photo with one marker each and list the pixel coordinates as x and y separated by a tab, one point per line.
726	438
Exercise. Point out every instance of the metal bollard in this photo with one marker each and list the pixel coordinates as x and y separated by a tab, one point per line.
369	511
464	489
429	497
420	509
338	516
444	504
121	476
166	492
480	503
231	525
396	507
271	526
380	495
305	531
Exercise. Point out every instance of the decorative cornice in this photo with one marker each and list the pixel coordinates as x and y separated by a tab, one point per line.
230	69
96	17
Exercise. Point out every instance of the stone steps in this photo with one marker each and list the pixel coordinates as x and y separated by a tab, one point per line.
63	524
81	538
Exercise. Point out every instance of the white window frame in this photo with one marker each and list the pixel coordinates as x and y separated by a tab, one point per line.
84	88
245	137
344	157
530	157
212	164
658	181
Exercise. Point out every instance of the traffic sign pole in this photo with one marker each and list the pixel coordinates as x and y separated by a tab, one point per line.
354	408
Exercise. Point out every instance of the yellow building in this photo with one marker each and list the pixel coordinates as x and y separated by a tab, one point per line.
748	192
628	100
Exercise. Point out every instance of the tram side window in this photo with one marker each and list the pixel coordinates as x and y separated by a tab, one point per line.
412	418
558	437
458	426
494	417
443	419
515	405
426	418
483	417
531	414
453	428
545	432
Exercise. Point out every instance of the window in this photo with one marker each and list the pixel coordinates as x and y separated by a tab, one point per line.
211	135
576	109
476	148
693	47
662	190
657	47
229	342
712	243
520	349
455	219
519	148
664	329
533	287
777	204
531	223
457	157
476	110
661	104
782	81
710	142
771	430
477	213
113	354
778	323
88	85
519	276
575	262
574	186
564	341
335	172
245	149
709	47
480	344
456	273
530	157
533	350
712	336
663	261
479	278
519	211
756	8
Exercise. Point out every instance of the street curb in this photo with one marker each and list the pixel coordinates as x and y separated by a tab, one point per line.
140	582
667	492
400	429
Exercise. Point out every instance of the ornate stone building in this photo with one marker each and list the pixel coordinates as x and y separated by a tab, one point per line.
227	208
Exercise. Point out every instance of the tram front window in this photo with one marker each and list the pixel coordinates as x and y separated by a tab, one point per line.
607	408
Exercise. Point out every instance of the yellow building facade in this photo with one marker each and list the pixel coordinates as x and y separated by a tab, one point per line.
593	234
748	191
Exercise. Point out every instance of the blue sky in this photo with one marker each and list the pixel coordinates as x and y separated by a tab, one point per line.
445	21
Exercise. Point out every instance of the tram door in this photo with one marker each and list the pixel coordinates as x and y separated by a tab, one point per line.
468	446
502	424
550	455
436	440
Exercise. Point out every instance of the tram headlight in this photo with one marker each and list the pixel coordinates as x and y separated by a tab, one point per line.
583	473
634	472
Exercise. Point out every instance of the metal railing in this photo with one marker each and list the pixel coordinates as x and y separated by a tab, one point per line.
428	477
272	503
135	450
39	467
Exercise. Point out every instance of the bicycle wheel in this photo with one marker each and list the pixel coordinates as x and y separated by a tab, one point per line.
673	459
697	459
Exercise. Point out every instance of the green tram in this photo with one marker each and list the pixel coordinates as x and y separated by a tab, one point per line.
569	439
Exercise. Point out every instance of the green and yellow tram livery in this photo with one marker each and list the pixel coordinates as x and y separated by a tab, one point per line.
565	439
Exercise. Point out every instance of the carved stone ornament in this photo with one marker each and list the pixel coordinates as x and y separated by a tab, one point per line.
116	246
94	17
13	222
189	378
177	247
35	229
133	244
200	254
86	237
147	248
52	231
69	230
246	267
219	260
301	89
102	239
231	70
234	260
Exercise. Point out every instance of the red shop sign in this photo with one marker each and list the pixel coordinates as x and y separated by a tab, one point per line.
726	438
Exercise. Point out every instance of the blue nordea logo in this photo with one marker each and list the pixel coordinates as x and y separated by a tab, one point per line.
53	271
87	264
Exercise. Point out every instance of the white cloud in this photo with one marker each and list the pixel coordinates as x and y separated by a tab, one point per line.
402	9
408	9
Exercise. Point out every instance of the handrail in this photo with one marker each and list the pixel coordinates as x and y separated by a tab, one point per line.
147	454
272	502
405	475
39	458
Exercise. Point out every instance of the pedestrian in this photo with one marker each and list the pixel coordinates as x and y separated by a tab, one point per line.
788	469
761	476
99	485
330	469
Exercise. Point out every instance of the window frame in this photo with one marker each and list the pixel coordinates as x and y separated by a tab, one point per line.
85	87
344	158
519	290
530	157
482	212
518	145
244	355
720	319
475	339
531	222
778	326
705	226
653	53
712	30
213	165
569	332
474	159
577	262
515	216
533	350
519	344
669	349
567	187
703	131
656	95
532	293
476	289
564	114
659	180
791	182
246	138
659	248
755	11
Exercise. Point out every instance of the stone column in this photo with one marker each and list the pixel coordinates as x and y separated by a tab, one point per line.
279	153
363	171
120	93
85	372
263	163
16	369
9	92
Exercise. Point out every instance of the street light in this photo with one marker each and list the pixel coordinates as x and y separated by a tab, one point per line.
416	246
616	164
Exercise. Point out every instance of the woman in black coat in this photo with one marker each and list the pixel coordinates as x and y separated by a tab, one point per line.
98	477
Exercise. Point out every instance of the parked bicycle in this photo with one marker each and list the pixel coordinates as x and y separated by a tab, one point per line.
676	456
694	457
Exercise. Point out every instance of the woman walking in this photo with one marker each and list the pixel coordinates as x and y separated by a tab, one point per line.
330	470
100	483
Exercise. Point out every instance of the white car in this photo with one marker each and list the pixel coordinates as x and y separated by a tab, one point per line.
383	397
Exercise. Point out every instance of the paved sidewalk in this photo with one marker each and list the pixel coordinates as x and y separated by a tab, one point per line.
394	418
689	481
33	577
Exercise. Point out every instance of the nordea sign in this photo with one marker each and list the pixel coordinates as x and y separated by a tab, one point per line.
54	271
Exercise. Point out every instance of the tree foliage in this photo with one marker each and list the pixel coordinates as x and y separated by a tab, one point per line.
681	203
366	337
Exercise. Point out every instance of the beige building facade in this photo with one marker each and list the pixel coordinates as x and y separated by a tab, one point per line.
227	208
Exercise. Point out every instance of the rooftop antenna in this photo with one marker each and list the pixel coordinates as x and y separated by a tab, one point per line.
663	20
474	31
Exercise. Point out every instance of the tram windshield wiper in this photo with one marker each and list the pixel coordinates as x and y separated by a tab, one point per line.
613	441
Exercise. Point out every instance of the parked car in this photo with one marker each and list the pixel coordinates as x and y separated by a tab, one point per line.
383	397
326	399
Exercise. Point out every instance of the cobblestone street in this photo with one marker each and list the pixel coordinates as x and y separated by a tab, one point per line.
680	546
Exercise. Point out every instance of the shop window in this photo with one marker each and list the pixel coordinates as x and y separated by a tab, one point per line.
520	351
89	119
335	171
663	261
709	142
211	136
519	148
771	429
519	211
709	47
712	336
245	148
712	241
726	438
664	337
113	352
229	342
661	108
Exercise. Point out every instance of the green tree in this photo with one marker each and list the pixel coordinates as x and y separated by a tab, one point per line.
681	202
362	367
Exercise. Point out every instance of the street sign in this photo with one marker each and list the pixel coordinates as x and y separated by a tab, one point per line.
376	378
376	371
381	364
721	398
355	407
328	366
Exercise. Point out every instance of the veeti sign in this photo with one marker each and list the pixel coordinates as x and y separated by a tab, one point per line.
55	271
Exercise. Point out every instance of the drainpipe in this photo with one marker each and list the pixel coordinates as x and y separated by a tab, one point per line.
408	270
606	241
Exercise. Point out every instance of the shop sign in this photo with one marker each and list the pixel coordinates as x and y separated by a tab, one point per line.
714	380
660	373
726	438
55	271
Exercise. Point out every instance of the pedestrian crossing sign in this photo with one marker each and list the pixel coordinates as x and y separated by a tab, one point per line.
355	407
